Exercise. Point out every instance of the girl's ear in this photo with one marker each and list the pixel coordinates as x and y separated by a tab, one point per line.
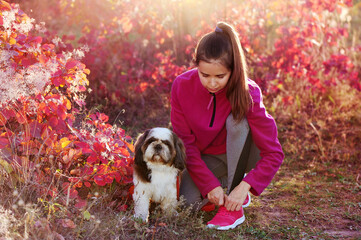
140	167
180	157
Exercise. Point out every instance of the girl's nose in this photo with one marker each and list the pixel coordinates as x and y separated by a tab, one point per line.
213	83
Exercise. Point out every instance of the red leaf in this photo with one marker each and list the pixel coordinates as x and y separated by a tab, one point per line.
73	193
124	152
162	224
37	39
8	113
287	100
43	59
35	129
3	142
73	179
57	73
122	207
67	223
53	122
87	184
117	176
82	88
88	170
93	117
84	147
131	190
2	120
4	6
28	61
92	159
99	180
109	178
21	118
61	111
48	47
71	64
119	163
98	147
102	117
81	203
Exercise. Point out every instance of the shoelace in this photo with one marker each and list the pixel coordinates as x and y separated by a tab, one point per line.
223	211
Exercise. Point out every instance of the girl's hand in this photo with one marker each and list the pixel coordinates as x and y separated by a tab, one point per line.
236	198
216	196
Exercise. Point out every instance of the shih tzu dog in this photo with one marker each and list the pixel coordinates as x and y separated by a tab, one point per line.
159	159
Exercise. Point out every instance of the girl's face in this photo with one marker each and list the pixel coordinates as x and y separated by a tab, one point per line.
213	75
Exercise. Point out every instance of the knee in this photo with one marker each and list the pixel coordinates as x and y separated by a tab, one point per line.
233	126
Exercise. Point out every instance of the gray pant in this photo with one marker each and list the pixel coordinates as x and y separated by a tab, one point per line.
240	158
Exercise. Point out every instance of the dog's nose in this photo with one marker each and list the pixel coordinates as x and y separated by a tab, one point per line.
158	147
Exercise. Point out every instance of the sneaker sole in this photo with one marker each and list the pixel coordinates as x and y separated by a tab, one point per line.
235	224
249	201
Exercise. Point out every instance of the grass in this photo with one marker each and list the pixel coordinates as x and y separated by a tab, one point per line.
299	204
316	194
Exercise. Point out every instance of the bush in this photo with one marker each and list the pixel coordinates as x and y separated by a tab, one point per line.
48	149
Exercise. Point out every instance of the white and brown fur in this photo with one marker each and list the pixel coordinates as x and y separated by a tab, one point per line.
159	159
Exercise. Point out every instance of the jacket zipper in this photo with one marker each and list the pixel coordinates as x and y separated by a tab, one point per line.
214	109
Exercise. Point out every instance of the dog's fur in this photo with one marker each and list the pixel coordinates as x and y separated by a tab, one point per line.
159	159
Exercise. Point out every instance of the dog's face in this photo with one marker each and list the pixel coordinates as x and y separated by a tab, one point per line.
158	145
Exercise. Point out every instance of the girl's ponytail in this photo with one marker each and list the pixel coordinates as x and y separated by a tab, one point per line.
224	45
237	92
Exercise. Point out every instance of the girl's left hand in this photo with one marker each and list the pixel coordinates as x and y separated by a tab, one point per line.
237	197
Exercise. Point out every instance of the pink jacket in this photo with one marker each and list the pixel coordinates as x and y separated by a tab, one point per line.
202	127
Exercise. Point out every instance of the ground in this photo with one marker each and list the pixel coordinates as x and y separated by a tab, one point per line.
311	201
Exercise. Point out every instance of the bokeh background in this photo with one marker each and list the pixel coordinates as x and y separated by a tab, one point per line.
137	48
80	79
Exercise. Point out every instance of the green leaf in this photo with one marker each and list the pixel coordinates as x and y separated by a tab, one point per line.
331	99
86	215
8	168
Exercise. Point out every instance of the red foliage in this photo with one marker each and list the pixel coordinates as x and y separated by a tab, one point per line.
135	52
37	131
137	49
305	46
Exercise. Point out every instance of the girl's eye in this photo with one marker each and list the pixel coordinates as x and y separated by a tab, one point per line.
205	75
220	76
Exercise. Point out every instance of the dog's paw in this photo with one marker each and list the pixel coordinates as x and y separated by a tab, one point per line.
140	217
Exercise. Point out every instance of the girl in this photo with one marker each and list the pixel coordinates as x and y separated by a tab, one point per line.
219	114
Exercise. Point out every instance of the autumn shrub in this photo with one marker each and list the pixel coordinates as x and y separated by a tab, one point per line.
137	48
53	151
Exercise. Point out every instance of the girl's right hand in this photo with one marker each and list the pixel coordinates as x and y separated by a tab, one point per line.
216	196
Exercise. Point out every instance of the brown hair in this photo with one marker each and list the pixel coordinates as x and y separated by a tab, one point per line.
224	45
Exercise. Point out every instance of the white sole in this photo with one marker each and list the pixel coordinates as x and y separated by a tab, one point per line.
235	224
249	201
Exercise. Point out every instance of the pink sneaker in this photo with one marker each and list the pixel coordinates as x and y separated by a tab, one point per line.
247	202
225	219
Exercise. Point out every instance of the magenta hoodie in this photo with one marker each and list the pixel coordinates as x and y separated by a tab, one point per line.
202	127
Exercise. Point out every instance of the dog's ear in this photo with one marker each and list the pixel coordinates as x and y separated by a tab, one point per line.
180	157
139	164
138	147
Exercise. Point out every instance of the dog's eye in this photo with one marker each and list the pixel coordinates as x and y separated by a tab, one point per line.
150	140
166	142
